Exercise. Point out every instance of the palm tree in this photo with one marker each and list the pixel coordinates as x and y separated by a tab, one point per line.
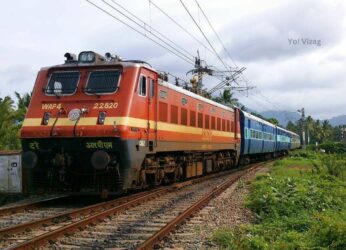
226	98
8	129
22	106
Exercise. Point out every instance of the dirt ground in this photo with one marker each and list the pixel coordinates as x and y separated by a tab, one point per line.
225	211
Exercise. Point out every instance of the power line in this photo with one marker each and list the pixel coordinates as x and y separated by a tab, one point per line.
216	34
151	28
138	31
206	38
180	26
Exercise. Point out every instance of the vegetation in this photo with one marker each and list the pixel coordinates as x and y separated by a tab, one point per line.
11	117
226	98
301	204
319	131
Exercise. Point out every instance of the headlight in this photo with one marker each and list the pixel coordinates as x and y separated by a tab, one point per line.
46	117
102	117
86	57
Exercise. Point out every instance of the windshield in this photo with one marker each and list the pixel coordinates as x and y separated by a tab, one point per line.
62	83
101	82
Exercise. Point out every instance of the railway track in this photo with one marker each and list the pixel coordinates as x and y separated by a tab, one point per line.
22	213
27	206
135	221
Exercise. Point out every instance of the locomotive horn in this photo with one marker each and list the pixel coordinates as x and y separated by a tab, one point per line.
70	57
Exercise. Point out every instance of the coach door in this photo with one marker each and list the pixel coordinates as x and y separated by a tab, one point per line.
150	81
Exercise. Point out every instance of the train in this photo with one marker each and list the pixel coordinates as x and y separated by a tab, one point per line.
102	124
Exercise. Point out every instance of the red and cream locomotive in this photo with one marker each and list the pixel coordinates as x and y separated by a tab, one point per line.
101	123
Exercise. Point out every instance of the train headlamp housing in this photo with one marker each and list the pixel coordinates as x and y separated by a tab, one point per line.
86	57
90	57
46	117
101	118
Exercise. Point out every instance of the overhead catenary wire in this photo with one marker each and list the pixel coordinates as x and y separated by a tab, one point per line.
204	35
172	50
149	26
160	36
181	27
228	54
216	34
140	32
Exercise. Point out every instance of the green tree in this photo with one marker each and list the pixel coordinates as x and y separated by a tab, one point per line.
226	97
22	106
273	121
11	119
8	128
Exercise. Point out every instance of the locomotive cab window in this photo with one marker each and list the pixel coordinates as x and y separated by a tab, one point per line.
103	82
142	87
62	83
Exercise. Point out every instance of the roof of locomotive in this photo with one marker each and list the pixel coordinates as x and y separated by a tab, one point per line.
137	64
125	64
193	95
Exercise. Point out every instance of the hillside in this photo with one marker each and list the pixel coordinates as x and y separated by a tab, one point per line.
338	120
282	116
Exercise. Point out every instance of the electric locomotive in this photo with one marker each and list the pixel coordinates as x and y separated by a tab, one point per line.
103	124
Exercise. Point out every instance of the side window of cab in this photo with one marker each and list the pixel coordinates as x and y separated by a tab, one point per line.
142	87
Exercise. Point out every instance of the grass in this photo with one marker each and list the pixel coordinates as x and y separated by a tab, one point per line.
301	204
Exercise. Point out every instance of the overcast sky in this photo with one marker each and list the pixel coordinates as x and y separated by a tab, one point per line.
294	51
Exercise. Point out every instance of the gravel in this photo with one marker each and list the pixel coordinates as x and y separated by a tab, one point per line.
225	211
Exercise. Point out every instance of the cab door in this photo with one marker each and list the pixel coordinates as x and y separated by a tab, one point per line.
147	89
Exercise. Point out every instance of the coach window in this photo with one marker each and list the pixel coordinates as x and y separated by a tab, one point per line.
142	89
152	91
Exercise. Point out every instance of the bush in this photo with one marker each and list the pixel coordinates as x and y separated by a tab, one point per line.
295	207
329	230
333	147
335	165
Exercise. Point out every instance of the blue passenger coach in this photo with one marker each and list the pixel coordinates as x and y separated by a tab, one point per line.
261	139
258	137
283	140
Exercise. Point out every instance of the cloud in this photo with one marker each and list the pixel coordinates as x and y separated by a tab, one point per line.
269	35
255	33
18	78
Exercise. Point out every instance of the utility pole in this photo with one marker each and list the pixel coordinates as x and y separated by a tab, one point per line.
302	111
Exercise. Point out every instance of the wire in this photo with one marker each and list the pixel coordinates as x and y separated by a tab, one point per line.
151	28
138	31
206	38
216	34
181	27
179	78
